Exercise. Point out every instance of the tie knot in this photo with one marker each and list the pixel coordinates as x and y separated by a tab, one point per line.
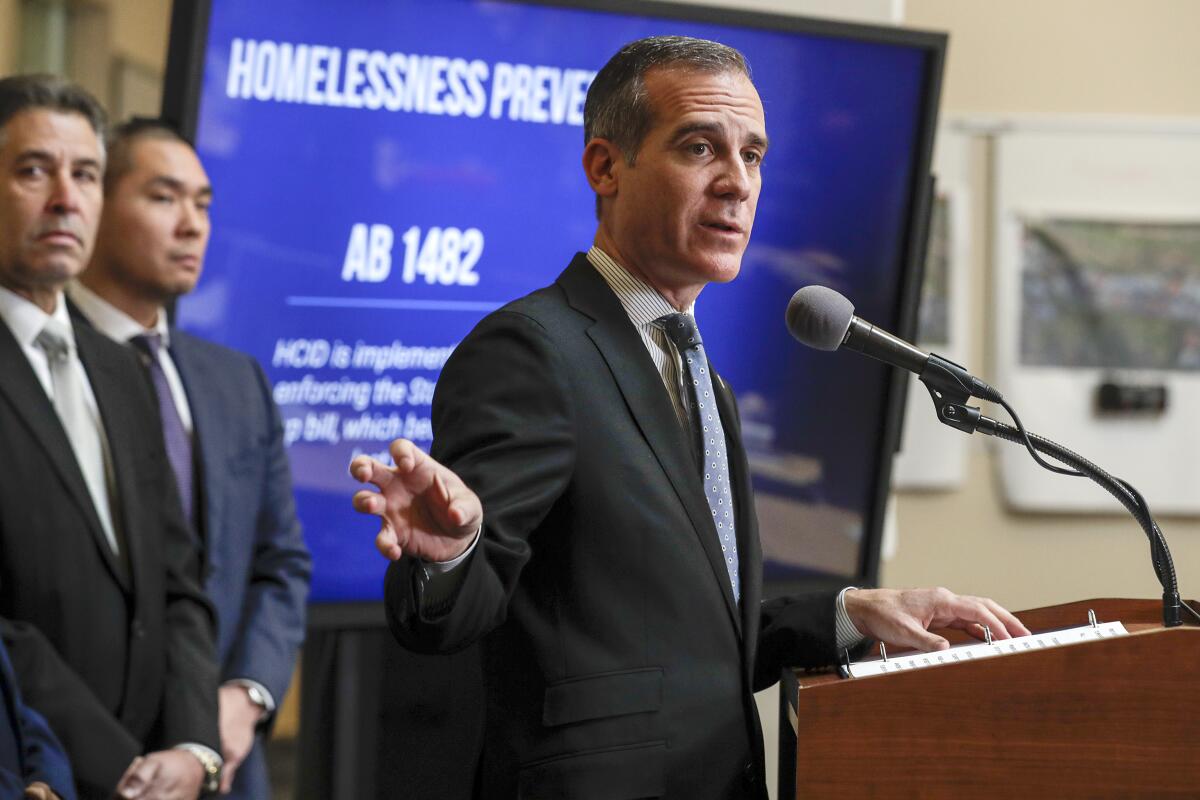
681	329
148	344
54	341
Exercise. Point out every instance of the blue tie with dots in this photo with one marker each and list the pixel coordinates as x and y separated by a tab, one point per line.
710	436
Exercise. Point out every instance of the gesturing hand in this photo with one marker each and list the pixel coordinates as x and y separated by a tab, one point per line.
425	509
903	617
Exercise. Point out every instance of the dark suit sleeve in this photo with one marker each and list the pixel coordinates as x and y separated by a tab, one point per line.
189	705
274	612
794	632
76	715
502	423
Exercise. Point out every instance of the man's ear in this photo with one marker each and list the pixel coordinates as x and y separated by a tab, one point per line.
602	163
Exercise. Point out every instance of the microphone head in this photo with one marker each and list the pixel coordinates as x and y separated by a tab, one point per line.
819	317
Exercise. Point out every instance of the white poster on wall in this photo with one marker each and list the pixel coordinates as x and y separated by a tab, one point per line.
1097	301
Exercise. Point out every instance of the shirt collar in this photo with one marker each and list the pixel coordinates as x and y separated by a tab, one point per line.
112	321
642	302
26	319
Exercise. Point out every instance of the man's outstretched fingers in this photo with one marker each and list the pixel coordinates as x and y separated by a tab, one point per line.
387	543
453	512
405	455
367	502
365	469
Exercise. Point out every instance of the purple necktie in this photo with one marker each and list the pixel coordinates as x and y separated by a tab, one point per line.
179	444
706	427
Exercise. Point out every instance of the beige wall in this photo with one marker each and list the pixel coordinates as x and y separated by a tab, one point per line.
139	31
1076	56
10	37
1106	56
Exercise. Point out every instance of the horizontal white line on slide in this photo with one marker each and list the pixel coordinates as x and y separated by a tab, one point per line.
369	302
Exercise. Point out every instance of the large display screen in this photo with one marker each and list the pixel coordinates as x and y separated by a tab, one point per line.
388	172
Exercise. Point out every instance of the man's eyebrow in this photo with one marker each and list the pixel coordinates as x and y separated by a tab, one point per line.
176	185
88	161
35	154
684	131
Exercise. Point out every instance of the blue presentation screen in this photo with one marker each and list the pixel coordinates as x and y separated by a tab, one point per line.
386	173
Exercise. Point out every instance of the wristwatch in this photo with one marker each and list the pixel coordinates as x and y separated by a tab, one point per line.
256	695
211	763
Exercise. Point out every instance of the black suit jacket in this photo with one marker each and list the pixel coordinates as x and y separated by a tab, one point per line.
618	663
133	665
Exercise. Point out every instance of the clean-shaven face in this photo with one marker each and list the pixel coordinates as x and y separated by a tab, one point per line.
51	167
683	211
155	226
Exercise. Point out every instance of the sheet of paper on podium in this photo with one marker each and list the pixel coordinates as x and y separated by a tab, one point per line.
973	652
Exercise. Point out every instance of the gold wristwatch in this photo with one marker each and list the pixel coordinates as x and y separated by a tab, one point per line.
211	763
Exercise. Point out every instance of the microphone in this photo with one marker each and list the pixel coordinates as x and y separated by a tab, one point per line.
823	318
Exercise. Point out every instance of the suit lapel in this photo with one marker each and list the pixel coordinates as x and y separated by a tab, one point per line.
197	376
31	404
642	387
113	404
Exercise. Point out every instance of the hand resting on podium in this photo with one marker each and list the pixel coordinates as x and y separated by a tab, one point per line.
903	617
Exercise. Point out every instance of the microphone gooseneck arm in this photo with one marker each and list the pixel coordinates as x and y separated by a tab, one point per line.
953	411
1126	495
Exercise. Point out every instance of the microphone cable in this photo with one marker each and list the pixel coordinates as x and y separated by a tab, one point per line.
1121	490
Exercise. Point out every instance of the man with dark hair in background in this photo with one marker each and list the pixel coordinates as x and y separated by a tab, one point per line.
94	553
586	508
223	433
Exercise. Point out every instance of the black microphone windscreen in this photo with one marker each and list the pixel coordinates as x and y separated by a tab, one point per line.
819	317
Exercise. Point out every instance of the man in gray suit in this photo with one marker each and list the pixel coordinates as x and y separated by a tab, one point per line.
223	434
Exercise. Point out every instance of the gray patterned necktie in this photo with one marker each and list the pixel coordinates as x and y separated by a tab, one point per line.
709	435
175	436
82	427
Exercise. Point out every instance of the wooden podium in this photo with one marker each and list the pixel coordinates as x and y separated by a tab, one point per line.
1118	717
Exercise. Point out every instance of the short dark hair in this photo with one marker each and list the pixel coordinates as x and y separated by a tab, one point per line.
617	108
124	136
24	92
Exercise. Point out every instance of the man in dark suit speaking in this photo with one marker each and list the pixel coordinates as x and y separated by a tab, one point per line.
587	509
94	553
